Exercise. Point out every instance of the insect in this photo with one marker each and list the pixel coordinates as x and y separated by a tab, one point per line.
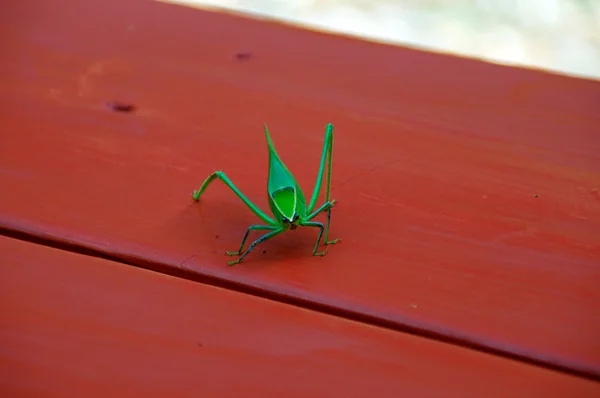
286	199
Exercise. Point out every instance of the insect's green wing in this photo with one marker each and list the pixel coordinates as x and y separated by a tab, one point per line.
286	198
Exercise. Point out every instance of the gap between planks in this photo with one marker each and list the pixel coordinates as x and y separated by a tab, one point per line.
40	238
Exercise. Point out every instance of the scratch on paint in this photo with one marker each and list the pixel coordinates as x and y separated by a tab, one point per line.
529	231
182	264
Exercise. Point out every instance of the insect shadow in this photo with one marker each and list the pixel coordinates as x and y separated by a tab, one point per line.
222	221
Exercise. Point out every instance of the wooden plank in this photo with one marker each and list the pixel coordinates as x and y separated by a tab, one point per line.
469	202
79	326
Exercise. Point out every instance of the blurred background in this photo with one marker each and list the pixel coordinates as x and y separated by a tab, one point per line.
561	36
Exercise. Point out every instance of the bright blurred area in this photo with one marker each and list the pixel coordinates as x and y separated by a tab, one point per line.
562	36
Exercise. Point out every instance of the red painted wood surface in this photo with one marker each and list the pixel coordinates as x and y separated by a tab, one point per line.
79	326
468	193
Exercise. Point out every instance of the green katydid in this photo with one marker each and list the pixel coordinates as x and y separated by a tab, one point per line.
286	199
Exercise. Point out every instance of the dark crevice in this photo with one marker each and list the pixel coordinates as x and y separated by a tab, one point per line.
121	107
243	56
444	337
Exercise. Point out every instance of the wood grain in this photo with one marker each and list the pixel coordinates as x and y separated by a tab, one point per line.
74	326
468	193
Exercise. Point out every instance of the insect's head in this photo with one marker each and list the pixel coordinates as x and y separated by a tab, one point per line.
290	222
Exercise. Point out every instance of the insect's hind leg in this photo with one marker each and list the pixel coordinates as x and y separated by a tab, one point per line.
326	240
325	157
221	176
326	207
251	228
256	242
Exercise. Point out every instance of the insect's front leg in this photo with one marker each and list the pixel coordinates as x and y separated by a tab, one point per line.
321	229
251	228
256	242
